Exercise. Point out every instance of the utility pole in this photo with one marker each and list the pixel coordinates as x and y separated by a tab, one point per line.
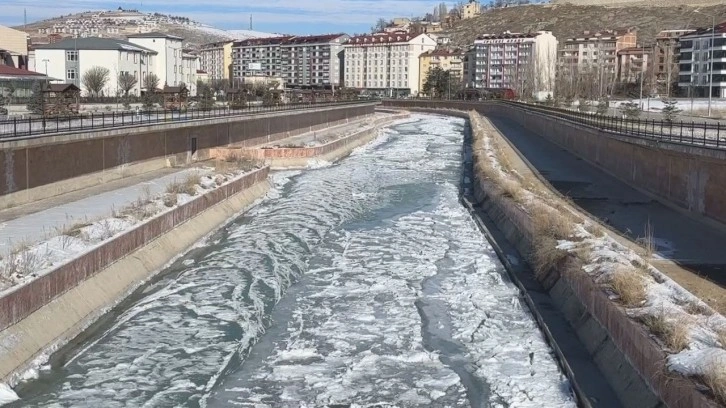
642	74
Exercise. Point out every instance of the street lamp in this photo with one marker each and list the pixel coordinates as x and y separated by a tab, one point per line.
710	65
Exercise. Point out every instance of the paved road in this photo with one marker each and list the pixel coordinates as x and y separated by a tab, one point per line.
694	245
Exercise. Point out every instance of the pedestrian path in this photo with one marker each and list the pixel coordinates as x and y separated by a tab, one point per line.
33	227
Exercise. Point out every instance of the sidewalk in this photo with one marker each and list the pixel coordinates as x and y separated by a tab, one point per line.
36	221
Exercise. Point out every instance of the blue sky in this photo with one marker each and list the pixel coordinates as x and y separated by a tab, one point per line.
284	16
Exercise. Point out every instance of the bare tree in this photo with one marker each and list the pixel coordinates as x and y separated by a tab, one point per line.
126	82
380	25
151	82
95	79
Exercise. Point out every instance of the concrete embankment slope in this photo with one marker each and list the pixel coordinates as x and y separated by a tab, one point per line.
52	309
43	167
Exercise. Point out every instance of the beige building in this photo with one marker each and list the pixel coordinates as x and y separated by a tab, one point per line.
216	59
448	60
13	47
666	53
470	9
386	63
633	63
596	51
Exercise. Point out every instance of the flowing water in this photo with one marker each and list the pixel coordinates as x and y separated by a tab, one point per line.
363	283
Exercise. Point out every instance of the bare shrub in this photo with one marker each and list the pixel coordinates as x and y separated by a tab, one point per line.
545	255
146	194
74	230
715	378
188	186
512	189
138	210
170	200
674	334
548	223
106	230
595	229
695	307
629	285
648	241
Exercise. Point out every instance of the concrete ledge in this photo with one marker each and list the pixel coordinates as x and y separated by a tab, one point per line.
51	310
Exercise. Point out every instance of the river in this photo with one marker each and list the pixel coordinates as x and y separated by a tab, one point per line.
364	283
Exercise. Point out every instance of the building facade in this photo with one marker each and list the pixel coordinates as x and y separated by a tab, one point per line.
634	63
169	56
386	63
595	51
189	67
470	9
257	58
666	54
522	62
702	64
448	60
314	61
216	59
13	48
66	61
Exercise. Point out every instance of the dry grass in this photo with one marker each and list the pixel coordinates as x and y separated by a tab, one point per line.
648	241
546	222
715	378
721	334
595	229
512	189
546	256
629	285
73	230
695	307
716	113
138	210
674	334
188	186
170	200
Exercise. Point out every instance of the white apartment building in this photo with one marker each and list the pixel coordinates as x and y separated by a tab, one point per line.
69	59
697	53
168	58
257	58
386	62
524	63
314	61
189	67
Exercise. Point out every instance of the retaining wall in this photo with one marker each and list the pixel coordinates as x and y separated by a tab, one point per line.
38	168
691	177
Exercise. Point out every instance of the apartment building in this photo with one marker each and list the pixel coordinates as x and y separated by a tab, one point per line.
518	61
702	62
595	51
448	60
470	10
189	68
314	61
633	63
69	59
666	54
255	59
386	62
216	59
13	48
169	55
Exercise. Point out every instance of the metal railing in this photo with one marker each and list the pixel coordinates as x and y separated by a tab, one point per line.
39	126
671	131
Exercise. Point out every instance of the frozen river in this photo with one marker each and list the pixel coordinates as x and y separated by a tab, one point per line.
362	283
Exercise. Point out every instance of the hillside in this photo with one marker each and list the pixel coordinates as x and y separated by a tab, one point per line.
121	23
566	20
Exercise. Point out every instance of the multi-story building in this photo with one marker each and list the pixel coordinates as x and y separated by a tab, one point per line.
314	61
169	56
448	60
702	62
470	9
216	59
189	67
386	62
522	62
634	63
69	59
13	48
595	51
666	54
257	58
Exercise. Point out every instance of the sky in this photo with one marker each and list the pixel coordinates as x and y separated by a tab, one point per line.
275	16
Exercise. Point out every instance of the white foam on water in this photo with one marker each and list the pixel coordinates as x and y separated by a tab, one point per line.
7	395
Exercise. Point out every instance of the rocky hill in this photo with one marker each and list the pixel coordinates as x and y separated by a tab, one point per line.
121	23
567	20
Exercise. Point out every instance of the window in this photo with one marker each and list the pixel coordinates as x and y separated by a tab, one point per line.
71	75
71	55
175	69
136	58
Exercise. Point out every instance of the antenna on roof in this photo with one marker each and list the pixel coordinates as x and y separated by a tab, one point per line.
250	22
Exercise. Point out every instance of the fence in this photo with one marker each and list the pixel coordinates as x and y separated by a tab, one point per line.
13	128
673	131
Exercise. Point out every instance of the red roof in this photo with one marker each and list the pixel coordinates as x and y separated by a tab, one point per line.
260	41
378	38
7	70
443	52
312	39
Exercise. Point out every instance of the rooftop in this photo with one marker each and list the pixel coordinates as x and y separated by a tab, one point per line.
719	29
94	43
442	52
6	71
312	39
252	42
506	35
380	38
155	35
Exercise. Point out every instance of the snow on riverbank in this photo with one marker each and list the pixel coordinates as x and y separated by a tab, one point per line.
691	333
27	261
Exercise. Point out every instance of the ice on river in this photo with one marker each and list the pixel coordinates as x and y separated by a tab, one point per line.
365	282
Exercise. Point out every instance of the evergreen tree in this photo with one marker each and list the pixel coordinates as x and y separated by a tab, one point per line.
670	109
630	109
35	104
602	106
3	103
206	96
